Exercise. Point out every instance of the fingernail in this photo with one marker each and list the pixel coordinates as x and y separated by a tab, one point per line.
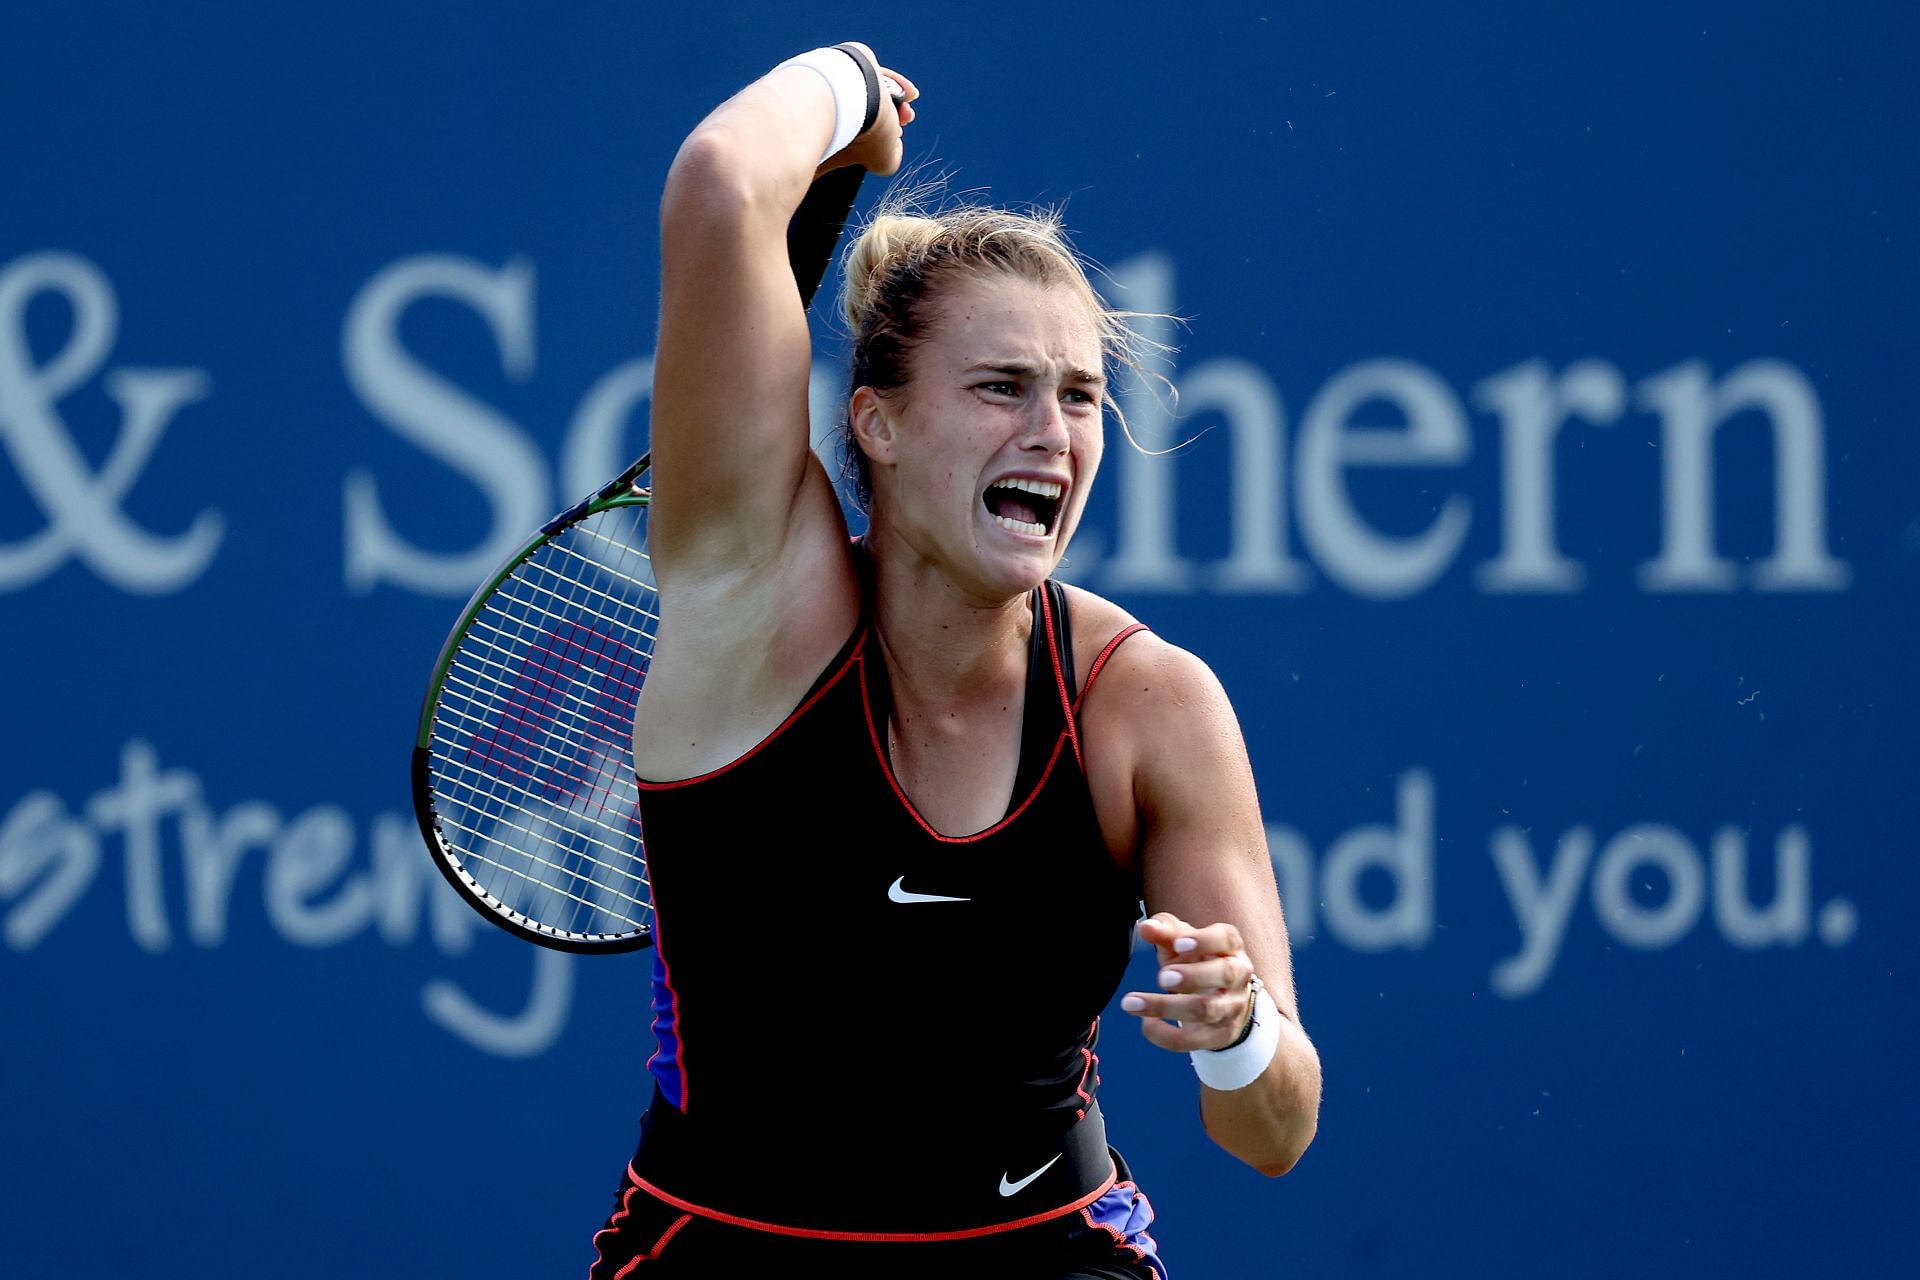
1133	1004
1185	944
1169	979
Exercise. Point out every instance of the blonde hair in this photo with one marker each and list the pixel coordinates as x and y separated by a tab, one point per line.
907	253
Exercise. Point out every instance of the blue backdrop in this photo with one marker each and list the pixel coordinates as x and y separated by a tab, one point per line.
1550	513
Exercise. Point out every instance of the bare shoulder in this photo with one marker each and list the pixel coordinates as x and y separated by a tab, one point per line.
1159	734
1147	673
1096	621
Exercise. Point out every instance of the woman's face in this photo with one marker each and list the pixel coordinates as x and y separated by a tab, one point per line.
982	462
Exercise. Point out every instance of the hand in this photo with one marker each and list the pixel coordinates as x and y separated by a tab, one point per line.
880	149
1205	978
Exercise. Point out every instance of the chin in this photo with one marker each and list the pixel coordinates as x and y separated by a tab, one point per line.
1016	571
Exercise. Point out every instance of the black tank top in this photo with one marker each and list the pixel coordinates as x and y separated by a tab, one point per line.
868	1029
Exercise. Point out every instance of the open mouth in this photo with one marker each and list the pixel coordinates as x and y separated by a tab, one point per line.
1025	506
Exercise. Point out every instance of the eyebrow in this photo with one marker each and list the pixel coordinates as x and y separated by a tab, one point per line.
1026	369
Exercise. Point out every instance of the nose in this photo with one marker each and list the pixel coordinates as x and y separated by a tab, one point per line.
1047	427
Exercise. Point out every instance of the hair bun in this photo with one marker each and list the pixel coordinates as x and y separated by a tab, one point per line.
889	237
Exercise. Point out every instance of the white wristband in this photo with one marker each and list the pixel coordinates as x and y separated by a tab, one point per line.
1238	1067
855	87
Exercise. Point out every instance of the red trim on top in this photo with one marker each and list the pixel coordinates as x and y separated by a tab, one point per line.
1086	1069
653	1254
1093	673
894	1237
1059	677
612	1228
798	711
886	767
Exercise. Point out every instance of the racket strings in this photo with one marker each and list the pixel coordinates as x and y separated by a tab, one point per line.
573	650
569	554
616	709
564	608
529	726
565	721
567	630
545	705
545	882
615	841
531	751
568	831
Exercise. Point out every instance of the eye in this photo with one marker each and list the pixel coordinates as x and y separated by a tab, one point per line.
1001	388
1084	397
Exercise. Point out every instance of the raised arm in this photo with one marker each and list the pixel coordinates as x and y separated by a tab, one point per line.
1216	916
731	462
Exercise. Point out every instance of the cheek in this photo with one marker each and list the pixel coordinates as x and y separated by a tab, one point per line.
942	463
1088	452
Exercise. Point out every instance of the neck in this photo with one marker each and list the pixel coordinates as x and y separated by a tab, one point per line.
942	642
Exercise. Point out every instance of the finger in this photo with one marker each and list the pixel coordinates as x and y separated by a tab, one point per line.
1164	1034
908	90
912	90
901	92
1216	940
1182	1039
1217	973
1220	1011
1171	937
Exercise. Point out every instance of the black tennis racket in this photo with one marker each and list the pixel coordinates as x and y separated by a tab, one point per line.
523	766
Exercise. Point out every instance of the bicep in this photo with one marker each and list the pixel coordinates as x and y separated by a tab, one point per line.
1203	849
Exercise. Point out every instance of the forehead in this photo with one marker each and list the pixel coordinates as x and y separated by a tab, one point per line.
1001	317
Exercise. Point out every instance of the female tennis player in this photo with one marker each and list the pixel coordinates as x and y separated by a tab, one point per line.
904	798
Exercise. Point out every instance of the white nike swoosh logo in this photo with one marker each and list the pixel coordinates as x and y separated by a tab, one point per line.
898	894
1015	1188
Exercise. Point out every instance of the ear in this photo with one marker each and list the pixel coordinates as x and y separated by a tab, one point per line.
870	419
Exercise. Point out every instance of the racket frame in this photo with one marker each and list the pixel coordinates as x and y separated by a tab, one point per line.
623	491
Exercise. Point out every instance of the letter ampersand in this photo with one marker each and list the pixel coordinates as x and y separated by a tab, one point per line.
82	505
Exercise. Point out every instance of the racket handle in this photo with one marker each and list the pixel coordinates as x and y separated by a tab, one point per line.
815	228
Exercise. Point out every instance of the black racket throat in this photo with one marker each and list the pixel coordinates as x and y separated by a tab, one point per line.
814	230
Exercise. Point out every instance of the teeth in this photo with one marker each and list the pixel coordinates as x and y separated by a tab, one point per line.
1022	526
1045	488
